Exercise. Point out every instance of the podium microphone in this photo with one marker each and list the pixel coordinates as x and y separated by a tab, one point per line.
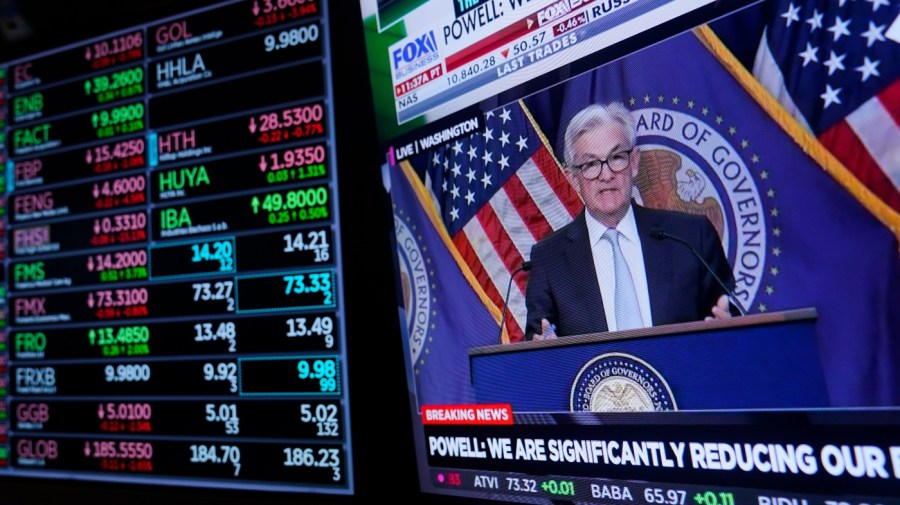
662	235
524	267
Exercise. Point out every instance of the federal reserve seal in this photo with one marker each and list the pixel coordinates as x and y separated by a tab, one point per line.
618	382
416	283
694	160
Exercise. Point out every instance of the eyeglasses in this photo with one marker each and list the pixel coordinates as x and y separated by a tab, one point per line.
616	162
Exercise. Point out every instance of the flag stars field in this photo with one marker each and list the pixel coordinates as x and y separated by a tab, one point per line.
809	54
838	72
522	143
815	21
791	15
878	3
839	28
831	96
868	68
835	62
487	157
874	34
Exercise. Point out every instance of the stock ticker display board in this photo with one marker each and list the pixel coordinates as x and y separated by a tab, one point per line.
172	268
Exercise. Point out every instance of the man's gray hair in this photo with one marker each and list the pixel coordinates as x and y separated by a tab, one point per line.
597	115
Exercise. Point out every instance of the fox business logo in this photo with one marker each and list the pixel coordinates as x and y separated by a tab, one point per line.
413	55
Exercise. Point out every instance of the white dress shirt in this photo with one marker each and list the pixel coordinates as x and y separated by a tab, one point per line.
630	243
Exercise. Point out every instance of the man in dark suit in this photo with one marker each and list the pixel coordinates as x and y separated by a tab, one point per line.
605	271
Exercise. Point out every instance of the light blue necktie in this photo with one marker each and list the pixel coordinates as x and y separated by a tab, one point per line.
628	313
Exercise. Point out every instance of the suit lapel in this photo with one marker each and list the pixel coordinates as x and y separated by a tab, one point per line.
583	278
657	260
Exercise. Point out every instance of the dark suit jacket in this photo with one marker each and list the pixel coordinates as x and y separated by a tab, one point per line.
562	285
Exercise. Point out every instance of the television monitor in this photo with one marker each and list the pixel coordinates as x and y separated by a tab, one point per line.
175	283
645	251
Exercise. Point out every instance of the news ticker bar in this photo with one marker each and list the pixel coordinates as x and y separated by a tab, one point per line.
855	453
497	485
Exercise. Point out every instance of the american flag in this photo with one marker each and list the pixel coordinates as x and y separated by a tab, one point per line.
835	66
498	192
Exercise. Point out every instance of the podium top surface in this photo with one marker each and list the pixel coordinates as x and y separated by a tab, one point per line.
795	315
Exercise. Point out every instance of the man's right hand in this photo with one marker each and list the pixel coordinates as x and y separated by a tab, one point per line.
720	309
548	331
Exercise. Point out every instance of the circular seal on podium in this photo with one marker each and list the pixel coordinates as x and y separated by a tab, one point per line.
619	382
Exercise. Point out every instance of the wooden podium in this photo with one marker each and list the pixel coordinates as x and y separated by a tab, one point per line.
761	361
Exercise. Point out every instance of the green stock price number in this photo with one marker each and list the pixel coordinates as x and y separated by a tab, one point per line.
712	498
117	115
118	120
118	84
302	204
559	487
322	370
